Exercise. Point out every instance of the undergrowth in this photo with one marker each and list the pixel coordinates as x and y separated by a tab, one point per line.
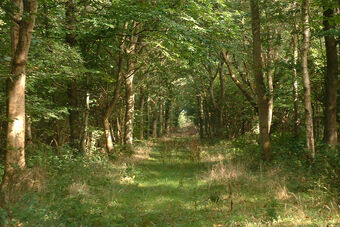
180	182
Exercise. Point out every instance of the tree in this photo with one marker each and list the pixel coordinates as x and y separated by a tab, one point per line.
71	40
306	79
332	73
262	99
23	19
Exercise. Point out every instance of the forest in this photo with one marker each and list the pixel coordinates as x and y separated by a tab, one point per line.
169	113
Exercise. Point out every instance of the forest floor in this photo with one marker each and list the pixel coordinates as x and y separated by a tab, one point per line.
175	181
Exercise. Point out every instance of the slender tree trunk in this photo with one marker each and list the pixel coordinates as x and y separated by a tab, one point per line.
295	80
201	115
222	102
108	136
331	80
141	114
207	120
243	89
216	122
21	34
260	87
108	113
86	120
161	118
306	80
148	114
130	107
271	91
119	130
112	105
168	116
29	138
155	123
72	87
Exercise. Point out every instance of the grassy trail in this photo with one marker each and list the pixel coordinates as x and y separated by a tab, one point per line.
178	182
175	187
169	191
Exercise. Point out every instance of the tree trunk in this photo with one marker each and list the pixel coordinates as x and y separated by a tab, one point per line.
86	120
29	138
161	118
108	113
262	99
112	105
72	87
141	114
295	80
21	34
155	124
243	89
331	80
222	102
168	116
216	123
271	90
119	131
306	80
148	114
201	115
207	119
130	106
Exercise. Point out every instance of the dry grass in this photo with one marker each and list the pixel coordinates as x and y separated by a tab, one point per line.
282	192
78	188
223	172
142	153
22	182
195	150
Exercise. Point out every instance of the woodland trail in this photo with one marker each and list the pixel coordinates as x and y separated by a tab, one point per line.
176	181
168	190
174	186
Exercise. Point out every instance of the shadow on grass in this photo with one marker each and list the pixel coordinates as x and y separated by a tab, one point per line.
166	190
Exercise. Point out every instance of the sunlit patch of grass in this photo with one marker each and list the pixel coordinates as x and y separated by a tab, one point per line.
78	188
161	184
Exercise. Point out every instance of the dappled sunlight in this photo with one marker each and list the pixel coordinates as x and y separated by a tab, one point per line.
78	188
152	186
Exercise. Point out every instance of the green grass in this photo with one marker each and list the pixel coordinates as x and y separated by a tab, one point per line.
164	185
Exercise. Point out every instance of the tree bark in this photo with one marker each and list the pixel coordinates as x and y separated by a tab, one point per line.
84	143
129	77
201	115
331	79
260	88
155	122
306	79
271	90
111	106
242	88
21	34
148	115
295	79
168	116
130	106
161	118
119	130
72	87
29	139
141	114
222	101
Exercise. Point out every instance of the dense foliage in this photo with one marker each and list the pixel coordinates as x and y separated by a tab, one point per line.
102	76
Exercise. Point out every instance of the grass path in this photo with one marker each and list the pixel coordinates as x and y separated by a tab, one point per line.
174	182
170	188
168	192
